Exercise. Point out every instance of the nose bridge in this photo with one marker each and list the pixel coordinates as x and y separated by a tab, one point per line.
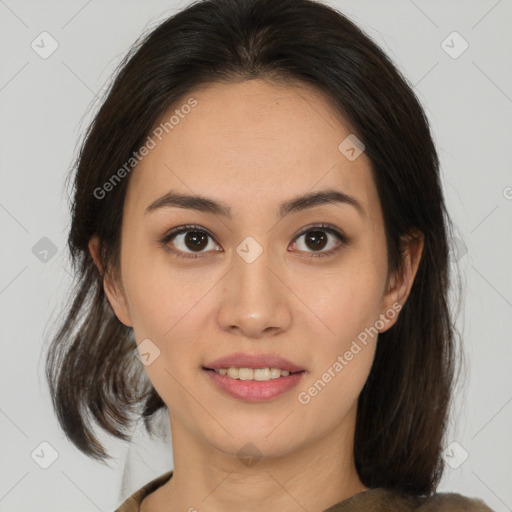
255	300
254	278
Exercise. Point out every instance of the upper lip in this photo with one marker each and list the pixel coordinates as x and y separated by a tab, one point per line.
240	360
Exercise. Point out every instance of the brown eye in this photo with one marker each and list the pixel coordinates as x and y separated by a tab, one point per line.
323	240
187	240
195	240
316	240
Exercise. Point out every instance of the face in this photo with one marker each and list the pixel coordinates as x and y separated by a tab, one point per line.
258	273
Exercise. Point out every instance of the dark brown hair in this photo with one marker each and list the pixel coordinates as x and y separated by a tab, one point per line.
404	405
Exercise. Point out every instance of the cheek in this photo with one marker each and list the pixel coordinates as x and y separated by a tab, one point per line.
168	306
159	294
333	392
349	306
343	301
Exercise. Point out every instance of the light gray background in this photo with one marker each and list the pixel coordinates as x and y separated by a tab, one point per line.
47	103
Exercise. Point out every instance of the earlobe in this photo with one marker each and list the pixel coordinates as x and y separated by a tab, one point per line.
400	284
113	291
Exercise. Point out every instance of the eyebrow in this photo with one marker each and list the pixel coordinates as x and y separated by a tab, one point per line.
299	203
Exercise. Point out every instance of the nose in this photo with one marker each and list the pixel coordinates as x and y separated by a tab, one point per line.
256	301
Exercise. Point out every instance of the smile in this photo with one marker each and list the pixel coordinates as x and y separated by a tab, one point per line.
253	385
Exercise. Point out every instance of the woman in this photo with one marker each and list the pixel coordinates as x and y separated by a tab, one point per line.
261	243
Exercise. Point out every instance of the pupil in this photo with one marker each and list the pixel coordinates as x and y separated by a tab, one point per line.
196	240
317	239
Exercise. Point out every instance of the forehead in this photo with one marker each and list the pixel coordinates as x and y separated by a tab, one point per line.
251	143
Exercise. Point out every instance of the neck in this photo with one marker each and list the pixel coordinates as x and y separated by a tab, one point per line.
312	477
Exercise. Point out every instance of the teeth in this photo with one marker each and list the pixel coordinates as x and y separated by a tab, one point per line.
260	374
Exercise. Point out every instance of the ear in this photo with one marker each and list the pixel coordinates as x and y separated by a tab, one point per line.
113	290
400	283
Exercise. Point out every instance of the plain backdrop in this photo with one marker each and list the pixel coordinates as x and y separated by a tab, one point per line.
464	81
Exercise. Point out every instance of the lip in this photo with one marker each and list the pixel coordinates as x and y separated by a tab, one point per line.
253	390
241	360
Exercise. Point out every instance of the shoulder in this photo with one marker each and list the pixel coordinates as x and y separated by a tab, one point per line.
452	502
132	504
380	500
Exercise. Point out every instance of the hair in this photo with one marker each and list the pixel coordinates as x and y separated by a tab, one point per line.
403	408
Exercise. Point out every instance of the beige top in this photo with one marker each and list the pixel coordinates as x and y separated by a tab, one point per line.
372	500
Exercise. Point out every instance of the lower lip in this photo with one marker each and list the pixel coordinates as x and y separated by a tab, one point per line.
254	390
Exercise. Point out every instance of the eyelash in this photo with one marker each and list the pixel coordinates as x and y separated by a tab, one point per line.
343	240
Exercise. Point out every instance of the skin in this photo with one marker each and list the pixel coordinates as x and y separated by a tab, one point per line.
253	145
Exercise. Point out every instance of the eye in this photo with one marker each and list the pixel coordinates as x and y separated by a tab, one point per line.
191	241
318	237
188	238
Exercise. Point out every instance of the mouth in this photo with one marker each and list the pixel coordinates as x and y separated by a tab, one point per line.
259	362
253	384
253	377
253	374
